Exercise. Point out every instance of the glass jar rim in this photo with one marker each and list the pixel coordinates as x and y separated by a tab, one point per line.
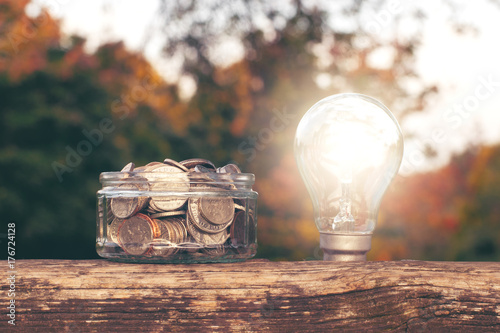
244	179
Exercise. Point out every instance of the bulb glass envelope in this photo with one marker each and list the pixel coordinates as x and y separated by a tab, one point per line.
348	148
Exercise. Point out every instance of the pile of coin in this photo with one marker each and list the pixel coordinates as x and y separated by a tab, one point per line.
145	221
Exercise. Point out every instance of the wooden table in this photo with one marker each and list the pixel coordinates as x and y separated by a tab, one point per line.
256	295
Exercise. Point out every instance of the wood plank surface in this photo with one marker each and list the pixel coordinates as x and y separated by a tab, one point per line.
257	295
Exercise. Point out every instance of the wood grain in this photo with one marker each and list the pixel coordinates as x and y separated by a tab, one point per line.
257	295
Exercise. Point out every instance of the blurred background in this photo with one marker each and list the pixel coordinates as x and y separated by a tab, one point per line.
87	87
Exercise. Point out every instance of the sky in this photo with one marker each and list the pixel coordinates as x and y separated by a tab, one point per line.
465	66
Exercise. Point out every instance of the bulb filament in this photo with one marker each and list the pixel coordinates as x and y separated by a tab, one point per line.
344	221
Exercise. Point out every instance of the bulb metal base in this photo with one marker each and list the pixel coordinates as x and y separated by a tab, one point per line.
342	247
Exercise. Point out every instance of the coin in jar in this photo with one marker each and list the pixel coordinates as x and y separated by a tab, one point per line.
175	164
217	210
193	162
200	221
158	184
203	237
136	233
128	204
167	214
128	168
229	168
215	251
113	230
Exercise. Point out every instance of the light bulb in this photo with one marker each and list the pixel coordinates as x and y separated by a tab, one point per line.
348	148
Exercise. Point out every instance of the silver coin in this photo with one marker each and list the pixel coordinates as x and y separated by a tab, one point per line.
150	164
239	207
229	168
215	251
163	184
200	221
203	237
192	162
166	214
112	231
175	164
128	168
164	245
217	210
202	169
136	233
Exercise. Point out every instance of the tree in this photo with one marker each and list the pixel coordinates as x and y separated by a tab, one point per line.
65	117
448	214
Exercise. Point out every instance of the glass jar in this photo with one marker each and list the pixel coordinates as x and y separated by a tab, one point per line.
176	218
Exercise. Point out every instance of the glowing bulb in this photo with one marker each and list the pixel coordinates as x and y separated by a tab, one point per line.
348	148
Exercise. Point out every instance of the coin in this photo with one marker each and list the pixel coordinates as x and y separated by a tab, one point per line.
109	214
217	210
182	225
140	169
203	237
229	168
136	233
166	214
239	207
178	224
192	162
113	230
124	206
199	220
202	169
164	245
128	168
175	164
215	251
237	231
150	164
164	203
